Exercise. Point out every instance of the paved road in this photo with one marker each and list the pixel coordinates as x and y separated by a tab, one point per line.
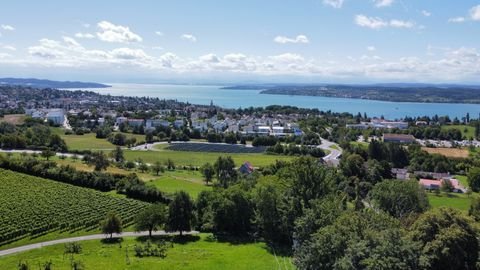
334	156
80	238
37	152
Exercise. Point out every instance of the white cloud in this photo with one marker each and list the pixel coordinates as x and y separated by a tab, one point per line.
209	58
297	39
110	32
383	3
7	27
288	58
9	47
127	53
189	37
334	3
426	13
371	48
401	24
456	20
158	33
475	13
157	48
379	23
370	22
84	35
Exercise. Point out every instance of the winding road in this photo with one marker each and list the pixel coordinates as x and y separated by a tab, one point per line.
334	156
81	238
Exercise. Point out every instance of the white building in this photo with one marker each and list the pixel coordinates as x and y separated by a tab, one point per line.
57	116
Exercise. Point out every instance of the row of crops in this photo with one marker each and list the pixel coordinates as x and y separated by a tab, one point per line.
216	148
32	206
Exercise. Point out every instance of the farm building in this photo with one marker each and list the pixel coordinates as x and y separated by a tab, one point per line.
398	138
246	168
435	184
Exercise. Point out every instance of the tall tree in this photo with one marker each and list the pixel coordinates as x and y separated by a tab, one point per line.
157	167
474	179
99	160
399	198
117	154
447	240
111	224
208	172
225	171
47	154
180	213
151	219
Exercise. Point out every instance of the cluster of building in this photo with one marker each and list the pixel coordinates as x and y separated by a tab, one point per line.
56	116
430	180
279	125
377	123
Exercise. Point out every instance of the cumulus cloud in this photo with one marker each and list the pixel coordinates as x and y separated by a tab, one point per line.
383	3
475	13
159	33
110	32
370	22
7	27
127	53
449	64
334	3
401	24
189	37
379	23
456	20
84	35
297	39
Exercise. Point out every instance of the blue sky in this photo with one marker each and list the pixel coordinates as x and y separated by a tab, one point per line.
267	41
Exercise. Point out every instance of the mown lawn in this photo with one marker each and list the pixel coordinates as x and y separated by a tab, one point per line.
89	141
200	158
200	252
458	201
189	181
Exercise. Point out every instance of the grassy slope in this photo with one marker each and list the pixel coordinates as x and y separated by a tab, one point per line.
200	254
200	158
468	134
89	141
189	181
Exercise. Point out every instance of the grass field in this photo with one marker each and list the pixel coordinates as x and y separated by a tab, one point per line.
467	131
200	158
457	201
15	119
189	181
89	141
448	152
201	252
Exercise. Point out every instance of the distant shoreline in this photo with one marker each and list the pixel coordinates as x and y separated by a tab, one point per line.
416	93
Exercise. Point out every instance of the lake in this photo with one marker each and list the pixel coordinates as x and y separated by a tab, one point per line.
203	94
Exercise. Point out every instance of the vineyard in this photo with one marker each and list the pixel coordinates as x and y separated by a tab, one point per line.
31	206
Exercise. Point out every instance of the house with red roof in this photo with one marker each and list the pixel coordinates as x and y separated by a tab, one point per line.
435	184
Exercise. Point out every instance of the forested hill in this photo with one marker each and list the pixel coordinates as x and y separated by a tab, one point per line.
39	83
386	92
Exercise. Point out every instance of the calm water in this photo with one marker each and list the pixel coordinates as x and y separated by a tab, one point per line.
196	94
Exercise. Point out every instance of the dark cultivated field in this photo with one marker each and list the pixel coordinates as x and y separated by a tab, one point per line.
215	148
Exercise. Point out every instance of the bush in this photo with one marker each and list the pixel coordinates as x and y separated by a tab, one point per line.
151	250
